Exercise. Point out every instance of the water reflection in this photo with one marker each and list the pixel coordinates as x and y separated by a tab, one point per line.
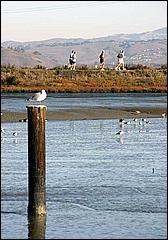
15	140
120	139
101	126
56	101
72	126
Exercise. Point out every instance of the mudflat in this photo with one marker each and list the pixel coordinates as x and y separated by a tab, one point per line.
89	114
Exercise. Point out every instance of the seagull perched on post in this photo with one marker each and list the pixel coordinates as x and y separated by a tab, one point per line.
39	96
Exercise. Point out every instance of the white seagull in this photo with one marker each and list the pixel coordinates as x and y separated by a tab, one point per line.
39	96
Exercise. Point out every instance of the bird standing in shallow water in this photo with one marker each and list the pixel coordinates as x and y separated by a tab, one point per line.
15	133
2	130
120	132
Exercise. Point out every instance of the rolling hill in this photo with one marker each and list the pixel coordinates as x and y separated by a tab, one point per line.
148	48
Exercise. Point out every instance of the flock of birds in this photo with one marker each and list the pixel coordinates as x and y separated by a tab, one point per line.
139	123
123	122
136	122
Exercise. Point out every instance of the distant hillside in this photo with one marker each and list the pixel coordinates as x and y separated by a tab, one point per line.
22	58
148	48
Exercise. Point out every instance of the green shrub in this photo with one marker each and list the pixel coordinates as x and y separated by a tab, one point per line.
164	66
8	68
11	80
134	67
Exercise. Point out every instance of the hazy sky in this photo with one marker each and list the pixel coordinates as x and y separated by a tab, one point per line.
41	20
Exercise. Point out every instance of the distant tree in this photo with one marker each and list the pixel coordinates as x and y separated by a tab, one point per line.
39	67
164	66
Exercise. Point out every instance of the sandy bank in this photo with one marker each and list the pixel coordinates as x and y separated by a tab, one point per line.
89	114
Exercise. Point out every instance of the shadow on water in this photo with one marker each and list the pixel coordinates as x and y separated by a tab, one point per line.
36	226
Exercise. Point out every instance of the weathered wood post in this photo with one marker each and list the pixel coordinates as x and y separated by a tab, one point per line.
36	226
36	160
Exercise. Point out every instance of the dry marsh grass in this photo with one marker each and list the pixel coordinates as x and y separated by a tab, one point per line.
83	80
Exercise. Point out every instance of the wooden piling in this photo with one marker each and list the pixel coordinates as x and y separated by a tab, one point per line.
36	160
36	226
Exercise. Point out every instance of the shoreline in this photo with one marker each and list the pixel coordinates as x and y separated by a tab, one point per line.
89	114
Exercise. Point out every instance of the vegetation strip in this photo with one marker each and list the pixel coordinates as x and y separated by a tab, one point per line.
135	79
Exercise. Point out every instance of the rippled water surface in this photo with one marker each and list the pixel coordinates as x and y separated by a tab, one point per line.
98	184
56	101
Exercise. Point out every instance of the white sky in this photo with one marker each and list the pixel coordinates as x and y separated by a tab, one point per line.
41	20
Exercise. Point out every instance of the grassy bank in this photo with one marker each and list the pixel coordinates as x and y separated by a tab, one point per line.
83	80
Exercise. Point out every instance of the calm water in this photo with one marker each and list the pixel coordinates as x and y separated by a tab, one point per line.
98	185
55	101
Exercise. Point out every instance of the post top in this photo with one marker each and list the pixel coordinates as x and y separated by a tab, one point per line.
36	106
